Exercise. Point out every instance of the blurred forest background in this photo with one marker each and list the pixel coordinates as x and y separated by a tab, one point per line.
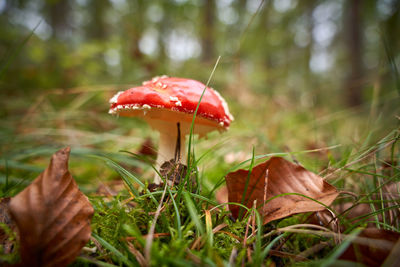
297	74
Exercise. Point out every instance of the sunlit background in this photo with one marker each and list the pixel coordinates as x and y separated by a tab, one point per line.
298	75
85	42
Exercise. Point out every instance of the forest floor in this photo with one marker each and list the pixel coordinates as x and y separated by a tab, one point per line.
356	150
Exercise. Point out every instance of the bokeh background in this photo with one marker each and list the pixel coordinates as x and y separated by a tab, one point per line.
298	75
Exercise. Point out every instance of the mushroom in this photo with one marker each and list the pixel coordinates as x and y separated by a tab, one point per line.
166	103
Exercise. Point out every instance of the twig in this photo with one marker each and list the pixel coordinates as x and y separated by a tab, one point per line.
193	257
215	230
314	249
246	235
286	255
231	234
371	242
139	257
149	237
100	248
232	257
349	193
265	191
156	235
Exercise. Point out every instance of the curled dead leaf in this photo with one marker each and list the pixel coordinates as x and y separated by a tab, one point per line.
52	215
355	212
379	244
274	177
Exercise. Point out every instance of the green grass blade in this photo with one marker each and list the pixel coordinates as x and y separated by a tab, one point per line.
177	214
126	175
16	51
270	245
195	113
115	251
144	159
257	251
193	213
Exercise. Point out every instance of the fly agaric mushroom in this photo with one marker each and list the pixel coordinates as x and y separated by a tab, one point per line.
165	102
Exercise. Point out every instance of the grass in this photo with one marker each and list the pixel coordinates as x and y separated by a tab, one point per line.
180	227
189	231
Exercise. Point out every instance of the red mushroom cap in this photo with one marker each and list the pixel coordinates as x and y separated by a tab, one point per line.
167	98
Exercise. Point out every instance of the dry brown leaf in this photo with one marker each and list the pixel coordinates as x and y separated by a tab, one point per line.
52	215
379	244
283	177
221	195
357	211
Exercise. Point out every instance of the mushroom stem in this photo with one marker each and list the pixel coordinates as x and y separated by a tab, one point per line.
167	148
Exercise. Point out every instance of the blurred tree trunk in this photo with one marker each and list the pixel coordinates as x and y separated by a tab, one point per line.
208	31
98	24
265	28
239	87
393	40
137	29
163	28
58	13
309	8
392	26
354	50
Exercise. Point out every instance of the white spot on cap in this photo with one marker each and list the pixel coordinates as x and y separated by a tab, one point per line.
118	108
155	79
114	99
224	105
178	103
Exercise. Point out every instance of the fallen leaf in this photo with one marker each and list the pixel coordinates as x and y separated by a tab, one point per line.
274	177
374	250
355	212
221	195
52	215
348	210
